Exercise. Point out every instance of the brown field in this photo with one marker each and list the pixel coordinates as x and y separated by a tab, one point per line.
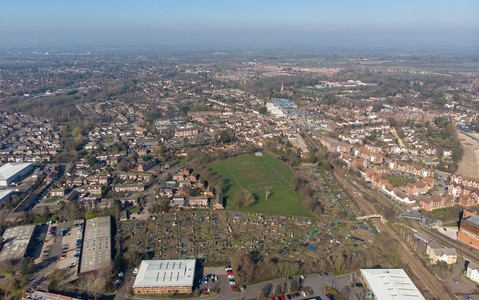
469	165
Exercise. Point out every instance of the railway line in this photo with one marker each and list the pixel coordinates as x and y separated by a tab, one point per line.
362	187
435	287
433	284
462	249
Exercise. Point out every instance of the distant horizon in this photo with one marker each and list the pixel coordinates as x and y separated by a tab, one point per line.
407	50
246	24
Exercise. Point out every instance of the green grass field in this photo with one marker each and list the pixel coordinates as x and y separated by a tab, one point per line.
398	180
257	174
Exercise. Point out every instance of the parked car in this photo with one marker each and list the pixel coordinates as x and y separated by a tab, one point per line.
118	282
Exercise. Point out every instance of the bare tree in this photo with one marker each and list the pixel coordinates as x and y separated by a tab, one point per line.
267	192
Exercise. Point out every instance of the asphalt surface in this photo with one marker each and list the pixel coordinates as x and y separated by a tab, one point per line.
251	292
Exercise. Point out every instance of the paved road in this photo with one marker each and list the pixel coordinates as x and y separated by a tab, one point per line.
314	281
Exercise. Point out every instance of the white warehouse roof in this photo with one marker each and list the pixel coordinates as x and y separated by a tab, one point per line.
391	284
165	273
11	169
4	194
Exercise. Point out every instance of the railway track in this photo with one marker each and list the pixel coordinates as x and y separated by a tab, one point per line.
464	250
433	284
429	281
461	248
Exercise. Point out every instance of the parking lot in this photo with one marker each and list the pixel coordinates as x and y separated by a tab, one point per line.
313	285
51	242
58	243
36	247
70	249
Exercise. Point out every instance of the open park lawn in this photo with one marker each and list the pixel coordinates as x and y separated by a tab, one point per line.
257	174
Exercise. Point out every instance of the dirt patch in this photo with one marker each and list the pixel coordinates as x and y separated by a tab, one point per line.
469	165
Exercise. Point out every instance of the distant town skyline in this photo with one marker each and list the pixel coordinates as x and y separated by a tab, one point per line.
224	24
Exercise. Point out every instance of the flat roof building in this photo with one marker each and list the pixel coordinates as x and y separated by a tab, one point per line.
5	195
11	172
96	249
390	284
165	277
16	241
39	295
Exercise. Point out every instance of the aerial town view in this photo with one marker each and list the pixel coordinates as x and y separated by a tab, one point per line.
239	150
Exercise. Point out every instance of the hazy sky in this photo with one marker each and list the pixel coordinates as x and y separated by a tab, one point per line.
414	23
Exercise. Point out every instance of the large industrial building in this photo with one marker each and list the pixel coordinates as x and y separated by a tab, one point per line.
390	284
5	196
39	295
16	241
12	172
96	250
165	277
